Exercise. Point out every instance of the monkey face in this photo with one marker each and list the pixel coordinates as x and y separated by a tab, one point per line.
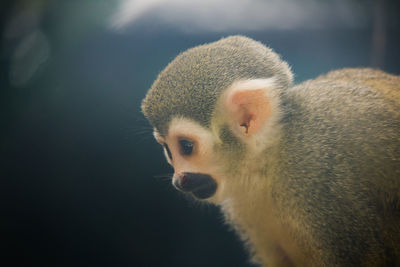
201	166
188	147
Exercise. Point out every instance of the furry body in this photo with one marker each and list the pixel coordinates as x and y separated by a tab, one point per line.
335	183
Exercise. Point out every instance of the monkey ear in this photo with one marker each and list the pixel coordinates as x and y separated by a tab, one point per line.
248	106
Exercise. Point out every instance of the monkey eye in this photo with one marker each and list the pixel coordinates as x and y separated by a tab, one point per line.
186	147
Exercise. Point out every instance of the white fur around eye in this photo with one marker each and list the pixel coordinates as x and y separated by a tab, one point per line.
183	127
166	156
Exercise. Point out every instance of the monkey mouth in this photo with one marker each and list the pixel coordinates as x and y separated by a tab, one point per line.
205	192
201	186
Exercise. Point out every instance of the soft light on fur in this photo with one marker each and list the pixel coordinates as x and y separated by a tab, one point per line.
307	175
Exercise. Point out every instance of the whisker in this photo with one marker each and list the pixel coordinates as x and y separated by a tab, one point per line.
140	132
164	177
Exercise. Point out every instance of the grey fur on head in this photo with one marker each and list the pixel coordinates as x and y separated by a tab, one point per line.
193	81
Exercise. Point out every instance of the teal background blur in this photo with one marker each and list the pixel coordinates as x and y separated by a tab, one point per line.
82	183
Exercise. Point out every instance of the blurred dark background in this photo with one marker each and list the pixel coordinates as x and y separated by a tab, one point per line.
82	183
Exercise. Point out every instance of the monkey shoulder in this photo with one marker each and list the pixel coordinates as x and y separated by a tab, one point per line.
345	114
348	91
381	83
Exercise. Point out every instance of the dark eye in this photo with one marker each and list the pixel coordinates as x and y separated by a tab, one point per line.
186	146
168	151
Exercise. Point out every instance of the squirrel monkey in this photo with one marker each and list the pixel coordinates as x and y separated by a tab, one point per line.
307	174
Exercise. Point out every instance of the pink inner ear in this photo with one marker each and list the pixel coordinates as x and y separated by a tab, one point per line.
249	109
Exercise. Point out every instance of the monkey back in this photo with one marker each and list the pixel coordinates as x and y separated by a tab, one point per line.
193	81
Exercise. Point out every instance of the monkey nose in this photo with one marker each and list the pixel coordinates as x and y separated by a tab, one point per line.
179	182
200	185
183	180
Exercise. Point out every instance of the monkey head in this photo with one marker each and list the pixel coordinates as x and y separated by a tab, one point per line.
212	109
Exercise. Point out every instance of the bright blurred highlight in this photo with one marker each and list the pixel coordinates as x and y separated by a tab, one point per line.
225	15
